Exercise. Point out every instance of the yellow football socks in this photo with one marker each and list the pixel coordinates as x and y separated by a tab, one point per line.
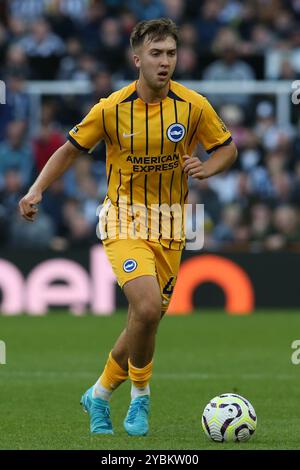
113	375
140	376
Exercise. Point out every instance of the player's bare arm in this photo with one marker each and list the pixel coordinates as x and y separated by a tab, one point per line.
56	166
221	160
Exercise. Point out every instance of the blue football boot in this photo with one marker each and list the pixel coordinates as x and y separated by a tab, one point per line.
99	412
136	421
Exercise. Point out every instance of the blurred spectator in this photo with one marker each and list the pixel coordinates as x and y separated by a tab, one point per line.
3	42
174	9
82	168
17	29
229	67
262	40
87	67
17	102
129	71
88	194
225	231
247	20
284	24
207	196
110	49
267	130
295	193
89	28
127	23
208	22
42	42
44	48
81	233
146	9
286	229
60	22
4	13
48	139
52	204
68	67
32	9
260	225
102	85
272	183
225	186
230	11
76	9
11	192
188	35
234	116
16	62
187	64
78	65
44	145
15	153
19	232
29	10
287	71
77	229
40	234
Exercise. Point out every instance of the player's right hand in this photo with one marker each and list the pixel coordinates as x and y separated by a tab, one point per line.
27	204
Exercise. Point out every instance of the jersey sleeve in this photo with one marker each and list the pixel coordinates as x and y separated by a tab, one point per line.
89	131
211	131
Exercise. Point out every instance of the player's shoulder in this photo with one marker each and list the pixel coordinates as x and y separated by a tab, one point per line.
118	96
187	94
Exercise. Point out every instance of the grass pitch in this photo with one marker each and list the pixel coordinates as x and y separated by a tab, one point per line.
52	360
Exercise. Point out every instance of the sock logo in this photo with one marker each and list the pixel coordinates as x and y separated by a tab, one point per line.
129	265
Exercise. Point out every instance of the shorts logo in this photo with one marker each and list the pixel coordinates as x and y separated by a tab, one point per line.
176	132
129	265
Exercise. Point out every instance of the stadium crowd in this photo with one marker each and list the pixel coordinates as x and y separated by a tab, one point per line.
254	206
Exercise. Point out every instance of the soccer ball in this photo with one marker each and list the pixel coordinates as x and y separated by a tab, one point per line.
229	417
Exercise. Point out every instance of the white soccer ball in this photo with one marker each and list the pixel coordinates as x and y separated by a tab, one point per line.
229	417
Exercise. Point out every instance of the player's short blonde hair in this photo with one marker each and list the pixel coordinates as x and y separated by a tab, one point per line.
153	30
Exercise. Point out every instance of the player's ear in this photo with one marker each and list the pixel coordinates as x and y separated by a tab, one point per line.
136	60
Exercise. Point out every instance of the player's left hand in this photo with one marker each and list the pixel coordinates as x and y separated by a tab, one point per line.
193	167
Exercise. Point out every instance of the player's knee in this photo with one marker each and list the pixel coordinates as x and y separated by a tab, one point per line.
148	312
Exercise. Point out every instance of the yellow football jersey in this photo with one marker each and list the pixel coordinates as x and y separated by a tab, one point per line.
145	143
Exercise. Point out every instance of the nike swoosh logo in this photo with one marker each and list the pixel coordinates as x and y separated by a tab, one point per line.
130	135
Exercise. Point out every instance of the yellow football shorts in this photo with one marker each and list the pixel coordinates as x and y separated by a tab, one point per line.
133	258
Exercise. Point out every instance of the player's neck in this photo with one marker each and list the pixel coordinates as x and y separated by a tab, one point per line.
149	95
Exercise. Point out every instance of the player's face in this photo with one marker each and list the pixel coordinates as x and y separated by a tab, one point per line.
156	61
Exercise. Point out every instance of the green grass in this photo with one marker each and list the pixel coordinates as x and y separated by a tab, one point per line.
52	360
